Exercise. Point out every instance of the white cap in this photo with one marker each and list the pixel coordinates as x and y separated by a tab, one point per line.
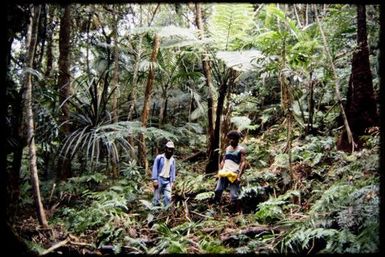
170	144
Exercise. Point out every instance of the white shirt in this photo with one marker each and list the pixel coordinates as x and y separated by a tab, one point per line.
166	168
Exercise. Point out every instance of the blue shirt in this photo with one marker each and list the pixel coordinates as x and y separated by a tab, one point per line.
158	166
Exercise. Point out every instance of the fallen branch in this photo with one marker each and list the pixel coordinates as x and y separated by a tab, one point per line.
204	216
230	237
54	247
186	210
81	244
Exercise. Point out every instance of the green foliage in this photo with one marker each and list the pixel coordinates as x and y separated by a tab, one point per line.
313	150
204	196
102	209
211	245
230	24
302	238
345	218
26	198
242	123
281	160
111	233
273	209
331	199
34	247
108	138
170	240
190	183
75	186
338	199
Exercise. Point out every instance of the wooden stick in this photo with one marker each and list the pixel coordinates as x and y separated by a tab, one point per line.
58	245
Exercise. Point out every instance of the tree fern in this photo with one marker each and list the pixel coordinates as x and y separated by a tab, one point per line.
230	22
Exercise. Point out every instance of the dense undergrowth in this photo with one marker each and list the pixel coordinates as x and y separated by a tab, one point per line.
326	201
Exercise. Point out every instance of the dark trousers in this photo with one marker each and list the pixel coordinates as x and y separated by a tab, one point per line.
222	184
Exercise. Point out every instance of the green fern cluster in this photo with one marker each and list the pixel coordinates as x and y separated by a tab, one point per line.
190	183
313	150
344	220
274	209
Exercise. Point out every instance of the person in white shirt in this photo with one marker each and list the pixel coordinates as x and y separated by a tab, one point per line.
163	175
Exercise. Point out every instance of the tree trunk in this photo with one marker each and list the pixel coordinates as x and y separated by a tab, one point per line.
13	115
64	165
361	109
163	108
49	54
226	123
310	104
115	82
214	155
32	38
207	73
337	85
134	83
147	101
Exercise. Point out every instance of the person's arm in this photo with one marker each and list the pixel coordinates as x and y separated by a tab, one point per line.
222	163
154	176
242	164
223	160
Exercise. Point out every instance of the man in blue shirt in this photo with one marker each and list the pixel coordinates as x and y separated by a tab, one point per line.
163	175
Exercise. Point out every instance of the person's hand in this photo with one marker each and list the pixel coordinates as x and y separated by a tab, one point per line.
155	184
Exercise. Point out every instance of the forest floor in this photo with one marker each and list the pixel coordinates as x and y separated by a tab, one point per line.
301	213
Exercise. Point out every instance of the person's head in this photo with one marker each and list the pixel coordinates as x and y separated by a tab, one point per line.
169	149
233	136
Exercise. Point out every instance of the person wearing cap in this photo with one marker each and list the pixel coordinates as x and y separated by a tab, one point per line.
163	175
231	169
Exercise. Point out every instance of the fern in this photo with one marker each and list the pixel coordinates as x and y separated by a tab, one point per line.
210	245
299	239
332	199
230	22
204	196
273	209
240	60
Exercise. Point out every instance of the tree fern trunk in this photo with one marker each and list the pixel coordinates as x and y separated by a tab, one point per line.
147	101
115	76
213	163
134	82
115	82
207	74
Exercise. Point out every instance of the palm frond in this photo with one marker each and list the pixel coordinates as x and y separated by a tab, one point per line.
240	60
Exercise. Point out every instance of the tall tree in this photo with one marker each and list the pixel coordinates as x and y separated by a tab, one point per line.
147	101
207	74
214	157
64	80
28	114
115	82
135	73
361	109
17	22
50	31
336	81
